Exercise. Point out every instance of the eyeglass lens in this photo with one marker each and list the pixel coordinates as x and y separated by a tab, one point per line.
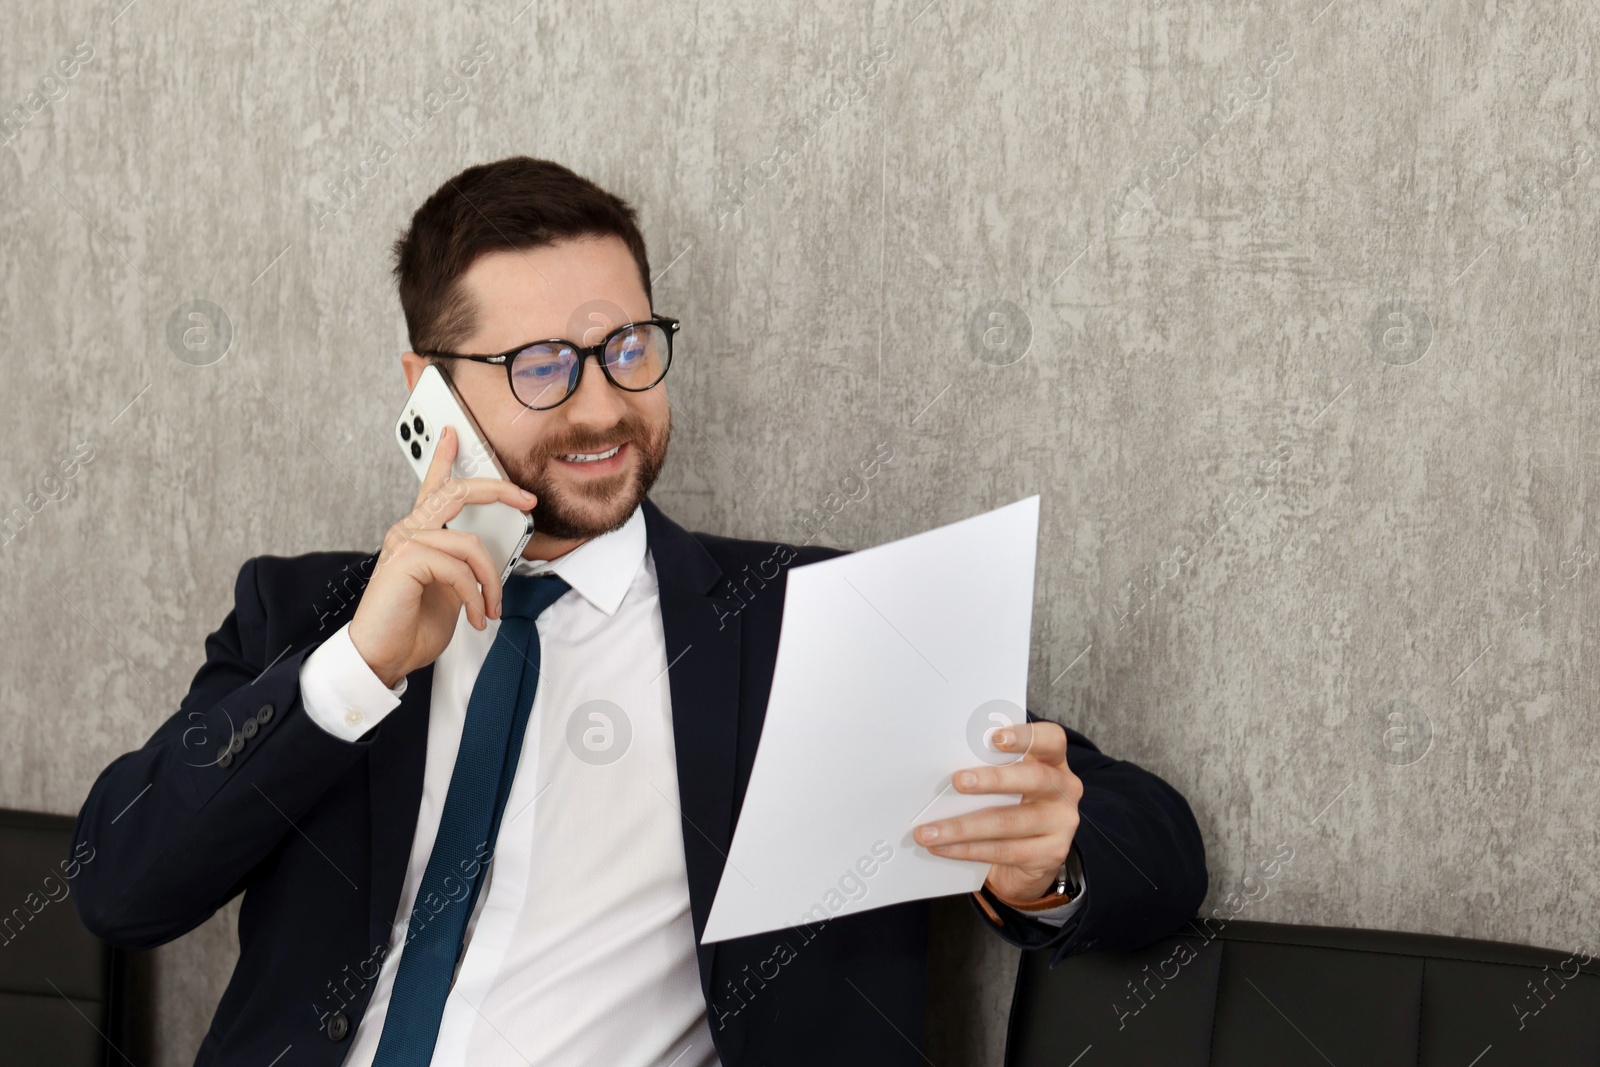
543	374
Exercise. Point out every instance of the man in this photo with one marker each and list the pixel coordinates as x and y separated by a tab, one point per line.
484	824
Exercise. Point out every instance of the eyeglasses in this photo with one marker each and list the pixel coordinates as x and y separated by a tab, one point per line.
542	374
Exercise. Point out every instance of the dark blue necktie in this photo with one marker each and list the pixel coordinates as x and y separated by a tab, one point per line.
491	742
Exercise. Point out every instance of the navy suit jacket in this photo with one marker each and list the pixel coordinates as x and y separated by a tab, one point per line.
316	832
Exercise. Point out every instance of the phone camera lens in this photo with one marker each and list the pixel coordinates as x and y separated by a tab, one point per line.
416	450
416	423
405	432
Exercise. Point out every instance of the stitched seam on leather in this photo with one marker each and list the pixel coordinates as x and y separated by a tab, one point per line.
1016	990
1405	955
1216	999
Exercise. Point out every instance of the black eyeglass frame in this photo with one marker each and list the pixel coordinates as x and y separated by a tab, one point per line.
668	324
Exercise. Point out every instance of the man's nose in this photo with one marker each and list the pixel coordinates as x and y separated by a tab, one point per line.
596	401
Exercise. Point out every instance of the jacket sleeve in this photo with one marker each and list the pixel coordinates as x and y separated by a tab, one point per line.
1144	862
178	826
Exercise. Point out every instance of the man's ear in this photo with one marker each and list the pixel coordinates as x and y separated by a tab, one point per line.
413	365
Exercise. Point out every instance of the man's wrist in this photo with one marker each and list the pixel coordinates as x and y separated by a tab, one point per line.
341	693
385	674
1055	895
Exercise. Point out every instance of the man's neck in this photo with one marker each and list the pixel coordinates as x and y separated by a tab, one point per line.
548	548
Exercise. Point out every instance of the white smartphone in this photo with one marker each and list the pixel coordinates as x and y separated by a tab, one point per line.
433	405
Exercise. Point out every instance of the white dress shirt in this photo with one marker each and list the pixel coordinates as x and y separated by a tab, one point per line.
580	949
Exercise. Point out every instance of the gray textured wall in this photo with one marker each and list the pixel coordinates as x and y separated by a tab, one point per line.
1287	311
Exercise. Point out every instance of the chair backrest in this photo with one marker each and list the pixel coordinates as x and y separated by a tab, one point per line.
1243	994
60	995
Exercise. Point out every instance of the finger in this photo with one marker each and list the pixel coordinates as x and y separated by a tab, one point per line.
992	824
453	494
459	577
1041	852
444	453
431	566
1024	776
469	548
1043	741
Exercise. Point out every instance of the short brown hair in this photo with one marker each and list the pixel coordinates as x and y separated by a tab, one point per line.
513	203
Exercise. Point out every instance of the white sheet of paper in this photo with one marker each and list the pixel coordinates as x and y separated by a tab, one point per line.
894	664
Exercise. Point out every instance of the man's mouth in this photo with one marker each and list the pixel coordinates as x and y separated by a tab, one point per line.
588	458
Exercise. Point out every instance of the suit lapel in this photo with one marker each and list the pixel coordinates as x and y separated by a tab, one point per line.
394	780
702	638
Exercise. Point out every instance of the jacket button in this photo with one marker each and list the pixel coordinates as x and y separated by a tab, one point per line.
338	1026
264	714
249	728
237	744
226	757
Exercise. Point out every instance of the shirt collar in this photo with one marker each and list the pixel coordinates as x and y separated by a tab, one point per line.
602	568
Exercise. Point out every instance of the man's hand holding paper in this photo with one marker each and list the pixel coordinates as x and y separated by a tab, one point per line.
895	666
1026	842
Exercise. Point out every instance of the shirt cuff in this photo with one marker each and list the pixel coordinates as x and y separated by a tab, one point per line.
341	693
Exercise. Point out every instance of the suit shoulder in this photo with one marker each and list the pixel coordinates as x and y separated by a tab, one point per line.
309	589
733	553
274	572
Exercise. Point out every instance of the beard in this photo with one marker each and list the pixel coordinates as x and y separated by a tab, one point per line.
582	508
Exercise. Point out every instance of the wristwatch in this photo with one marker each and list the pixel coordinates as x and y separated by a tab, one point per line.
1067	877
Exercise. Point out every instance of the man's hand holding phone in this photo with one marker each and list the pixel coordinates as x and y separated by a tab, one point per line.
425	573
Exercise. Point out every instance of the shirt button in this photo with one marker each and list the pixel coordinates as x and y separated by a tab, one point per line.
353	717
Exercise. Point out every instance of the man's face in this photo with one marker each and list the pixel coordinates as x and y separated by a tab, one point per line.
577	290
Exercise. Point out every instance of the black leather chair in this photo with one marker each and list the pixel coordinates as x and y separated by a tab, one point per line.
1243	994
61	989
